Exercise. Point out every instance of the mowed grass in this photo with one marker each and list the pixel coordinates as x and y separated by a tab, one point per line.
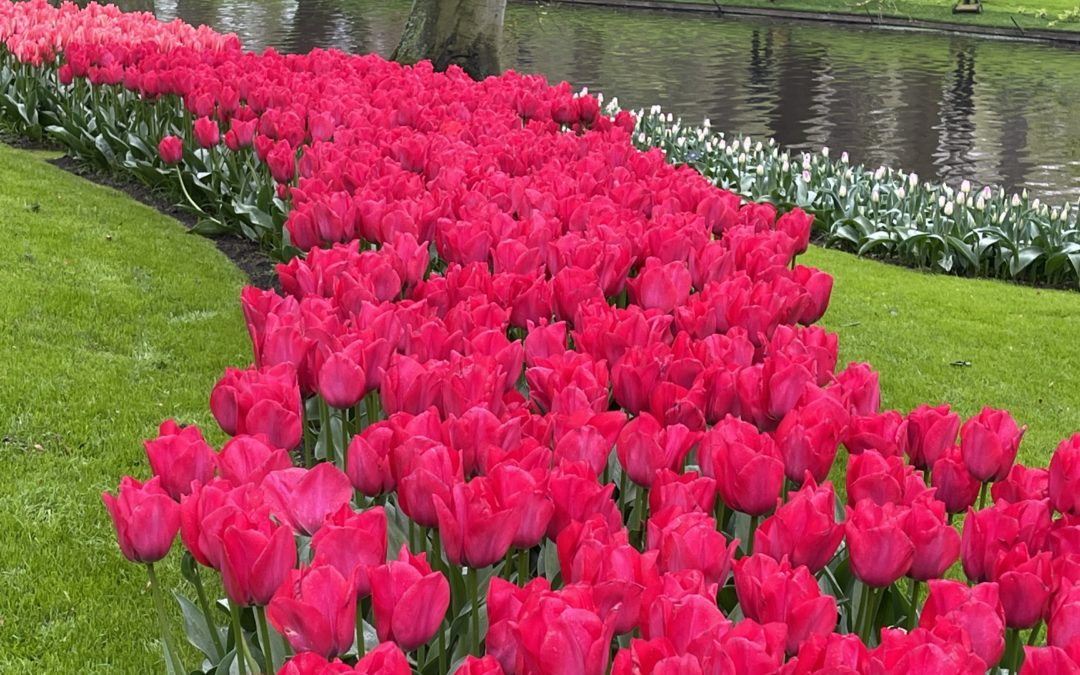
112	318
920	330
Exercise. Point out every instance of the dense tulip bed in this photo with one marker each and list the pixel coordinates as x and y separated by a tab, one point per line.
533	401
960	229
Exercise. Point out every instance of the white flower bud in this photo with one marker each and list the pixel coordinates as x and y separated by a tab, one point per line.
941	202
842	192
948	210
965	186
843	158
825	152
1015	200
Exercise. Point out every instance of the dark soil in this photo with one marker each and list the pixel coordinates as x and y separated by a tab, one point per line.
245	254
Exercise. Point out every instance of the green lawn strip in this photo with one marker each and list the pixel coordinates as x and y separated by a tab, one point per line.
913	326
1063	15
112	318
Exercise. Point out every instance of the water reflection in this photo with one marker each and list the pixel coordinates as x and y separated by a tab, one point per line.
947	107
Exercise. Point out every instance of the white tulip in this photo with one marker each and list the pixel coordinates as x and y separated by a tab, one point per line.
941	202
965	186
879	173
913	180
825	152
874	195
1035	204
843	157
980	204
785	167
900	194
842	192
742	158
1015	202
948	208
806	176
760	170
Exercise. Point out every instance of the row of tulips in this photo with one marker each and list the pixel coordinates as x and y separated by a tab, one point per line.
534	401
960	229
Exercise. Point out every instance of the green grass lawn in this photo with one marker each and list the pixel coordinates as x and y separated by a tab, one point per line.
913	326
112	318
1027	14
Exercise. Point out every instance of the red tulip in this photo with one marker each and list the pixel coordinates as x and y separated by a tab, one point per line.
884	432
977	611
146	519
989	533
747	466
368	461
408	599
386	659
473	665
859	389
1064	476
808	438
342	381
353	543
476	528
769	592
1021	484
207	133
955	485
1025	584
180	456
527	494
660	286
558	635
988	443
315	610
936	542
1063	624
1048	661
684	492
921	651
690	541
644	447
257	558
171	150
249	459
260	401
305	498
930	432
877	478
833	653
880	549
804	528
310	663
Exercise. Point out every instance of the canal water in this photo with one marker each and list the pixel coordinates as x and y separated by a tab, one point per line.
948	107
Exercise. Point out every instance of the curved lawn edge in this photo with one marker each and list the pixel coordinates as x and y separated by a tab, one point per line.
718	8
913	326
113	318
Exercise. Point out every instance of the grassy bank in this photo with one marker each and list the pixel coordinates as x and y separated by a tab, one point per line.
112	319
1037	14
920	330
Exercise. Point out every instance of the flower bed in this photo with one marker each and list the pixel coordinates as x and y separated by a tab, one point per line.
573	393
963	230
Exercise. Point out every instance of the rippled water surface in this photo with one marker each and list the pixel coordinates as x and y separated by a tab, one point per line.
948	107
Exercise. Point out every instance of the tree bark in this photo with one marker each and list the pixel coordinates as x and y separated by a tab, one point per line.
465	33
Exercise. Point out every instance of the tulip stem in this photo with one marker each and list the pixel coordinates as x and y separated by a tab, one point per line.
309	443
264	635
204	605
642	508
361	648
474	594
523	567
243	658
442	648
750	535
171	657
721	513
913	615
982	495
372	400
622	490
344	437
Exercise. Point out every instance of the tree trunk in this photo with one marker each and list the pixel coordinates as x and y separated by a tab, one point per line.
465	33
